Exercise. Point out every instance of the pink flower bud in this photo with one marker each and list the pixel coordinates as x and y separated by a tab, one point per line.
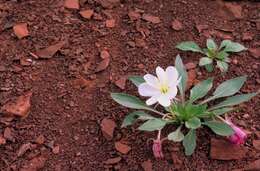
157	148
239	136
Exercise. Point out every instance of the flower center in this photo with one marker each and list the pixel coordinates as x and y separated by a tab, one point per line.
164	89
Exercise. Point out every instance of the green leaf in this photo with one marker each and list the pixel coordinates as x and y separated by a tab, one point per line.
222	111
189	142
193	123
176	136
152	125
136	80
219	128
234	100
205	61
211	44
132	117
228	88
234	47
209	67
222	55
201	89
189	46
183	74
129	101
225	43
223	66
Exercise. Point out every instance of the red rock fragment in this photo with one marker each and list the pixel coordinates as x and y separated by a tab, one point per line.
21	30
25	61
109	3
110	23
256	144
112	160
151	18
8	134
122	148
190	66
40	139
134	15
2	140
103	65
147	165
104	54
201	27
121	83
177	25
192	75
71	4
34	164
224	150
87	13
247	36
23	149
255	52
107	127
56	149
235	9
20	106
254	166
50	51
176	160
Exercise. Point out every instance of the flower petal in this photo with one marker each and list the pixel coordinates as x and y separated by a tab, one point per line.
146	90
151	80
172	92
164	100
161	75
151	101
172	75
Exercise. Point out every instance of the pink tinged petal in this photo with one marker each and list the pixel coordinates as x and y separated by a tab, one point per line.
151	101
172	92
164	100
151	80
157	149
239	136
172	75
146	90
161	75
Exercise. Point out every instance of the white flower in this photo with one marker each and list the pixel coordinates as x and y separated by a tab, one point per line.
162	89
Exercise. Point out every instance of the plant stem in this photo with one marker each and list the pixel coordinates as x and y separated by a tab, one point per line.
157	112
207	100
220	118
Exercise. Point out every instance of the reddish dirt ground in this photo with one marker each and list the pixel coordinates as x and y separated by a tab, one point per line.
70	99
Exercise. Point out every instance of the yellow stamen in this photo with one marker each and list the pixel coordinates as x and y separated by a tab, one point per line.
164	89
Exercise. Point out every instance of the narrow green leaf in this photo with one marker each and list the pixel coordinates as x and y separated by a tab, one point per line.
189	142
234	47
132	117
176	136
201	89
205	61
189	46
228	88
219	128
222	111
209	67
136	80
129	101
152	125
235	100
223	66
193	123
211	44
183	74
